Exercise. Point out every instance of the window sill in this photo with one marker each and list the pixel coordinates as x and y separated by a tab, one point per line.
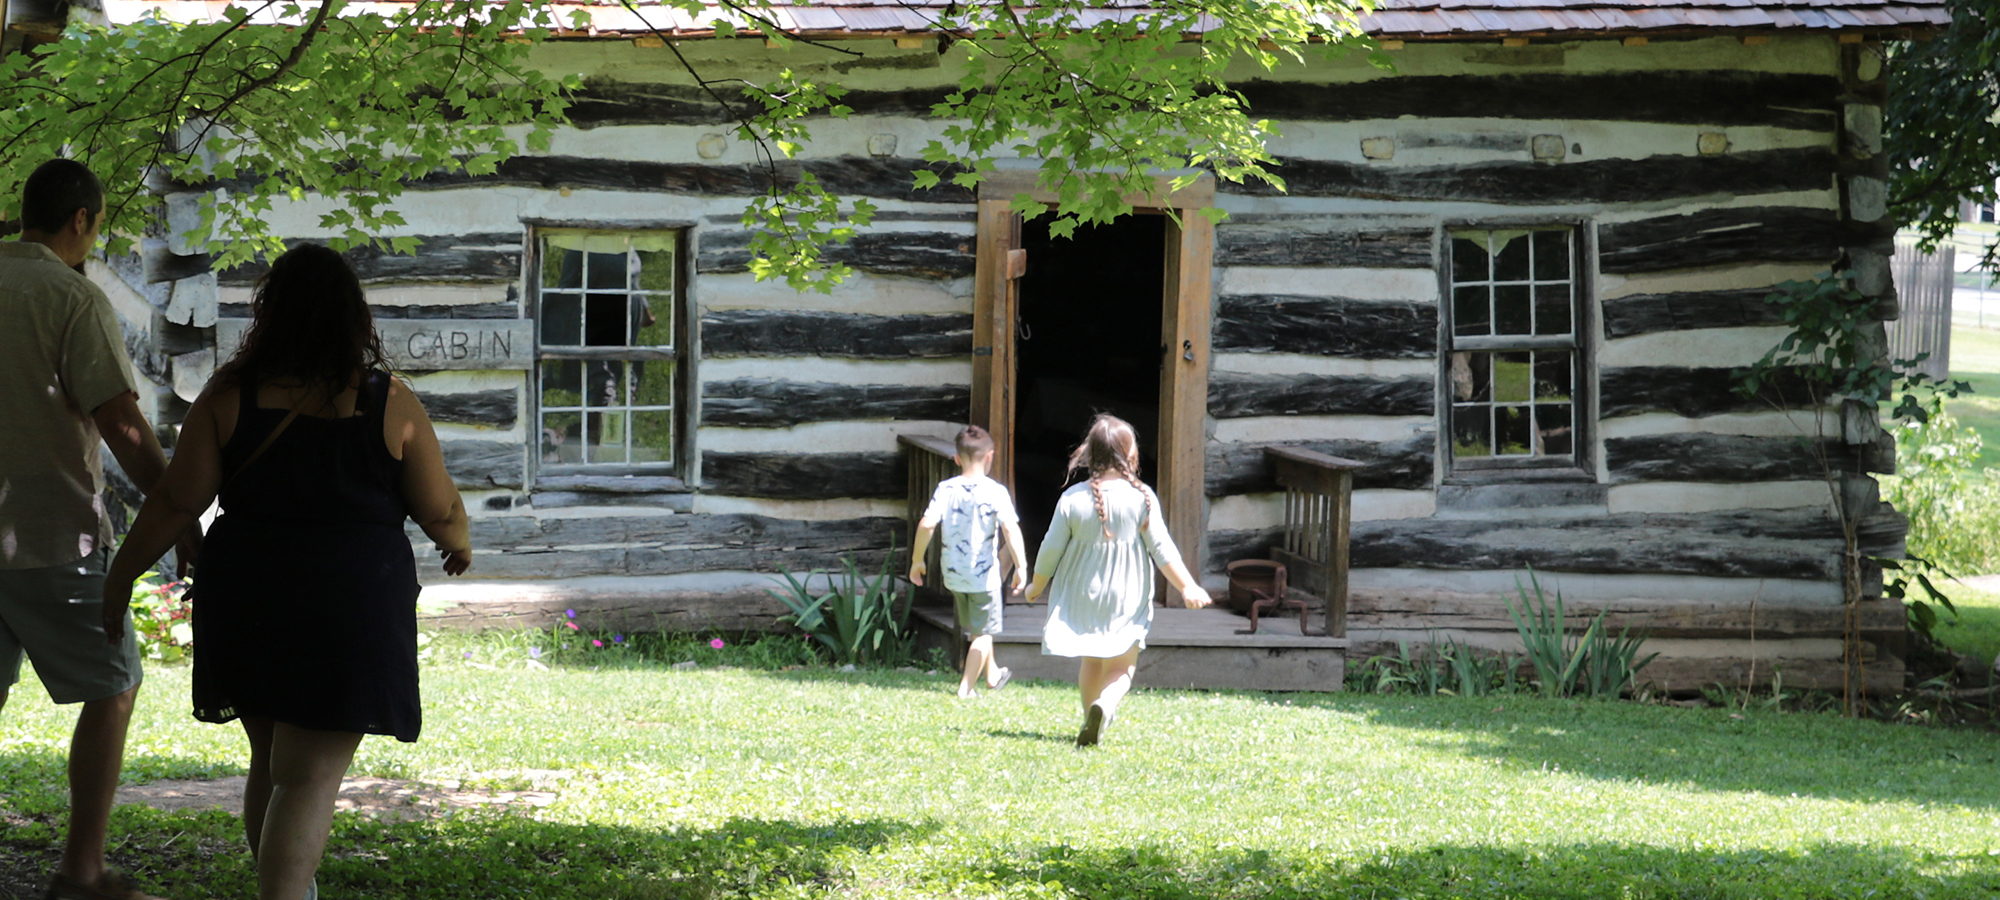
1501	474
613	484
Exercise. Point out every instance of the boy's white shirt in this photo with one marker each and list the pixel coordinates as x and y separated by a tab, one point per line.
969	510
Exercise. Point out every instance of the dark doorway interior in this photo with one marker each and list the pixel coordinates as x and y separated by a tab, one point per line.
1088	342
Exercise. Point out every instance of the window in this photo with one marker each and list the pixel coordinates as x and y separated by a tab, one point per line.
1986	212
1513	348
609	352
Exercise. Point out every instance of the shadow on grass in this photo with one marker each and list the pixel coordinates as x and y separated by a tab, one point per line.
34	813
487	855
511	856
1806	754
1580	871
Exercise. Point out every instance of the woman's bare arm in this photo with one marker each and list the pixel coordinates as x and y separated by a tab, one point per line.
428	491
172	508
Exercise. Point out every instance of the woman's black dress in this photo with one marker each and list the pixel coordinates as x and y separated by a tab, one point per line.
305	606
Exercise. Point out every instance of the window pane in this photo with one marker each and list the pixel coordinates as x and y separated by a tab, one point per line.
1552	315
1510	258
1554	428
652	437
604	271
562	383
1511	377
1552	376
1552	255
1513	434
1471	377
1470	314
607	437
653	270
653	320
562	437
561	268
1468	256
607	383
1510	309
607	316
562	319
1471	432
653	383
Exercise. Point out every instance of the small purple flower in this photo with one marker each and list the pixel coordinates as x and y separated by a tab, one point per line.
565	646
717	644
534	653
570	613
617	639
468	654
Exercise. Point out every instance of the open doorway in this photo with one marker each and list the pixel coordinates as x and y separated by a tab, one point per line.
1088	341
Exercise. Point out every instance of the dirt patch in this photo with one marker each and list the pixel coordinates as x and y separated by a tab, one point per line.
378	798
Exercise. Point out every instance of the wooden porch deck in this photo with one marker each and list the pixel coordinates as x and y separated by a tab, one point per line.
1189	648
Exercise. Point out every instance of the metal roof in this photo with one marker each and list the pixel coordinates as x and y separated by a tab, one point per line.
1392	19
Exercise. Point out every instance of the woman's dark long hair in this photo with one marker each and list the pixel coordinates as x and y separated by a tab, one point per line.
309	321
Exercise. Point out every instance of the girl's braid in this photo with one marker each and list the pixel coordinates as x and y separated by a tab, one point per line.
1097	497
1144	495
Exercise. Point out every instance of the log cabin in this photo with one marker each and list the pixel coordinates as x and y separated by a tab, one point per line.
1509	281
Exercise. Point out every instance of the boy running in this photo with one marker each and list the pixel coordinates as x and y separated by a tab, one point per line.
975	510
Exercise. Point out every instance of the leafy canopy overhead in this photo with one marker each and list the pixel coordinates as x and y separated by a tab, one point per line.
354	105
1942	128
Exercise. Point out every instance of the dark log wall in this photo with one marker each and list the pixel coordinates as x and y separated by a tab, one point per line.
1697	180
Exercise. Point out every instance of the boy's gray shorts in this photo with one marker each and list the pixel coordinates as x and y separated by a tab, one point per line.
54	614
978	613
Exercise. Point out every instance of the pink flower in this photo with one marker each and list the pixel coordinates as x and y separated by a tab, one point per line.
596	643
572	626
717	643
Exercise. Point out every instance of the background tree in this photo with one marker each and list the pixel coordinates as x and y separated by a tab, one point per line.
1942	125
282	100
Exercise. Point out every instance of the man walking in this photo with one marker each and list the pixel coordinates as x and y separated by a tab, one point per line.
66	383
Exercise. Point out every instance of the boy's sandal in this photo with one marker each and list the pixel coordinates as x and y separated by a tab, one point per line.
999	682
112	886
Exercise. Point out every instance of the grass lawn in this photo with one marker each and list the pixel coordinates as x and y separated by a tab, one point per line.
1976	629
1975	358
721	782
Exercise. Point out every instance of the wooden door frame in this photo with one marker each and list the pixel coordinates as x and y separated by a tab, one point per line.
1186	307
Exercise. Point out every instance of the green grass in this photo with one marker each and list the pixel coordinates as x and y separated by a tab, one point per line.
812	783
1975	358
1976	628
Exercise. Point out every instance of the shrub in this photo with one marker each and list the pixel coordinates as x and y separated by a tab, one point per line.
162	618
859	620
1954	511
1567	664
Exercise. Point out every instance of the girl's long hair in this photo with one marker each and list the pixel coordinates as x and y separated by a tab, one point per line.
309	320
1107	452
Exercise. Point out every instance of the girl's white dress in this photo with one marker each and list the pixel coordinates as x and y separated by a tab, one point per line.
1101	589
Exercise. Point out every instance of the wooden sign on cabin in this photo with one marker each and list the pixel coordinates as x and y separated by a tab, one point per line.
430	344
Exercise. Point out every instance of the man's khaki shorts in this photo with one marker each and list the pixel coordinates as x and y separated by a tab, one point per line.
55	615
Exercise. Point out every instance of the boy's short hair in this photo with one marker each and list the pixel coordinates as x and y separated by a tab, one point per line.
974	442
56	190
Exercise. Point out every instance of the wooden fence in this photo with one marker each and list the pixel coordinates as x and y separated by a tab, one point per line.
1923	289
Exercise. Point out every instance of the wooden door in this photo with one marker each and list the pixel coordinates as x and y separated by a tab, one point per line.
996	296
1184	336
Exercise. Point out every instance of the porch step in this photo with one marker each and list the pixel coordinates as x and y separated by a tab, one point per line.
1188	648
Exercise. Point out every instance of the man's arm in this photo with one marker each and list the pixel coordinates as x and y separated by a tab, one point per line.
131	440
137	449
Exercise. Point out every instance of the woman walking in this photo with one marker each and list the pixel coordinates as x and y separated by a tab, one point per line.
305	613
1096	565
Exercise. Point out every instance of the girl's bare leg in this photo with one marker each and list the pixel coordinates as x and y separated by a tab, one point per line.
1090	680
306	769
1115	679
